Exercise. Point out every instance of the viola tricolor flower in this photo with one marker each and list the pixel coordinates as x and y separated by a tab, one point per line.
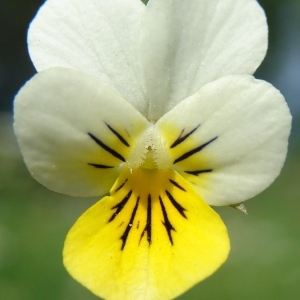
155	107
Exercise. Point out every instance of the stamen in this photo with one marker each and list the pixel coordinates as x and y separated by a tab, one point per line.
149	151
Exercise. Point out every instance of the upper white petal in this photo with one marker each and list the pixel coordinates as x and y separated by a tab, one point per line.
98	37
188	43
244	123
59	115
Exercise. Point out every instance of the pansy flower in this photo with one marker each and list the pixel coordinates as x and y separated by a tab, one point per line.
152	107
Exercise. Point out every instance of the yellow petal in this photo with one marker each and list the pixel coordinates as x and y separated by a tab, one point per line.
152	239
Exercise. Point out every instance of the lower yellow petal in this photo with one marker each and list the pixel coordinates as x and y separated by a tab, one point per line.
152	239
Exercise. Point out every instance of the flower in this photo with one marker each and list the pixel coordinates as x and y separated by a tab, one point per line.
155	106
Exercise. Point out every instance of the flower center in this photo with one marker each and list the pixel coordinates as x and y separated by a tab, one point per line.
149	162
150	151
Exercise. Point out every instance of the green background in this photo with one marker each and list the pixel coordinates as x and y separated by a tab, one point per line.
265	259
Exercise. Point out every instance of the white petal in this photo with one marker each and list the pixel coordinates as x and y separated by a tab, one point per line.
243	125
186	44
61	118
98	37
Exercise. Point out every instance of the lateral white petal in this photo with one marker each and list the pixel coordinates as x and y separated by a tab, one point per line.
186	44
98	37
74	133
232	138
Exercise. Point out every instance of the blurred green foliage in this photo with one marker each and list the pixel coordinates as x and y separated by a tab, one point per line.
264	262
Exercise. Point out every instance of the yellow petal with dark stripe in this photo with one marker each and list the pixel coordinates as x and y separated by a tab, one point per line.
152	239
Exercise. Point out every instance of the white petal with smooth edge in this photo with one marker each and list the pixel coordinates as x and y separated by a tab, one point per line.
74	133
186	44
232	138
98	37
